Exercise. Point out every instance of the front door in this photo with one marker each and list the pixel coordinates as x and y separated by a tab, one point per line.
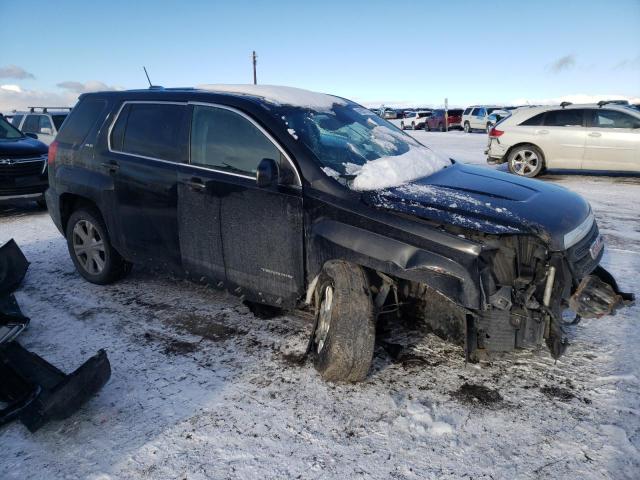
260	239
613	141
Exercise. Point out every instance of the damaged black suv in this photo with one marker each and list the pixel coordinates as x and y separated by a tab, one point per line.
287	197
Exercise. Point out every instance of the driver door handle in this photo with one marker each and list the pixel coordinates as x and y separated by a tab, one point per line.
195	184
595	134
111	167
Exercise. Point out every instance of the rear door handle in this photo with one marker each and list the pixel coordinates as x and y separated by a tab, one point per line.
542	132
595	134
195	184
111	167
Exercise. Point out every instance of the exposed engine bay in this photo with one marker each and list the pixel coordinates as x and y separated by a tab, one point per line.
526	289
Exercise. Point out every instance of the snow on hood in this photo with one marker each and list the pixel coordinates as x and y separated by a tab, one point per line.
391	171
279	95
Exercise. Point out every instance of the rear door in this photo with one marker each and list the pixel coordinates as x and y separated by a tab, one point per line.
612	142
260	229
562	137
477	118
147	143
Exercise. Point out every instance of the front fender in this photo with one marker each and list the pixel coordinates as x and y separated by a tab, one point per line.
455	278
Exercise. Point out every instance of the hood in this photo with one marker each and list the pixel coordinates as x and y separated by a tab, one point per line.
21	147
488	201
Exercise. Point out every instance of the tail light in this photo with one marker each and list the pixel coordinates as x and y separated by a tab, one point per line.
495	133
53	149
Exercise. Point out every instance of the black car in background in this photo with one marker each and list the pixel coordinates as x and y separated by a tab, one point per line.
23	164
289	198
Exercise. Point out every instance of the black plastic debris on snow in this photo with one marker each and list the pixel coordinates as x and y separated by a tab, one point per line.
33	390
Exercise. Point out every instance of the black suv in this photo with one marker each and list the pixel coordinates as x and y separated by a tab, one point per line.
287	197
23	164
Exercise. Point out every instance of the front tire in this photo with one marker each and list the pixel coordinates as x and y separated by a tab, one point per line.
413	125
90	248
42	202
344	338
467	127
526	161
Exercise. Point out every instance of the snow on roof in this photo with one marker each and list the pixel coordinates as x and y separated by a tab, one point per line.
280	95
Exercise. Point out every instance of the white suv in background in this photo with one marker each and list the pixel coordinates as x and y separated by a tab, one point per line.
602	136
42	121
476	117
415	120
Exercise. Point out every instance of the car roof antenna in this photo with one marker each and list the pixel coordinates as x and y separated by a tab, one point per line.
148	79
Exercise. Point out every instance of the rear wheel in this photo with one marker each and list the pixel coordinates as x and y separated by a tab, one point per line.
526	161
42	203
413	125
402	125
90	248
344	337
467	127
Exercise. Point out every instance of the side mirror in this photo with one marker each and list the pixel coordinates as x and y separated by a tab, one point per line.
31	135
46	131
267	174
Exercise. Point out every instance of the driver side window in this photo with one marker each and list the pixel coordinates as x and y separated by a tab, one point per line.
224	140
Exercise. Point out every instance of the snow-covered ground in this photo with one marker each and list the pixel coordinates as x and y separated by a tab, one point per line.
203	389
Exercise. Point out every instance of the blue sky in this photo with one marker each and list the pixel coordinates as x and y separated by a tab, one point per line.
403	52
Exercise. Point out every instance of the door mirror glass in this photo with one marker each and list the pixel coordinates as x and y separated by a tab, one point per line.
267	173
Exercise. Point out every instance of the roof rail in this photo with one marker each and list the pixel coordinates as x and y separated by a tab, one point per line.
601	103
44	109
565	104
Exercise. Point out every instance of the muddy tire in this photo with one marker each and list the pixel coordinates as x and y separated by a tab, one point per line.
343	342
90	248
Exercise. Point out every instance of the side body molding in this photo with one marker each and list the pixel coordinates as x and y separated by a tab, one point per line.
456	279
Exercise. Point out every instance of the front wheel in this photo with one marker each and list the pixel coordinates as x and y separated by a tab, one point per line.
344	337
401	125
90	248
467	127
413	125
526	161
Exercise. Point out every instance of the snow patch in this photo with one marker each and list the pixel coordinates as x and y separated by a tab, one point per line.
392	171
279	95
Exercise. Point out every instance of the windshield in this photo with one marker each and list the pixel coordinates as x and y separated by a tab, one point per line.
358	148
8	131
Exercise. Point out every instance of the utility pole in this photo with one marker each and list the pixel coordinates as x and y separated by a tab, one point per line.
255	61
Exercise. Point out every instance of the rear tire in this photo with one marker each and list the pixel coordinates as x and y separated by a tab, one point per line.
526	161
413	125
343	341
90	248
467	127
42	202
401	125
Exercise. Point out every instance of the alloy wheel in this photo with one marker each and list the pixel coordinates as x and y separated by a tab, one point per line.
324	318
525	162
89	247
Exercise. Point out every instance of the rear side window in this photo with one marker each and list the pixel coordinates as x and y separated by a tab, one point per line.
536	120
467	111
564	118
475	111
81	119
58	120
153	130
613	119
224	140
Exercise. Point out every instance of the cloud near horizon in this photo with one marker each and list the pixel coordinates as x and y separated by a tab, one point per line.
563	63
13	71
90	86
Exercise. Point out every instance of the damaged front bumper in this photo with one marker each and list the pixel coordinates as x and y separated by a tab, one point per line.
34	390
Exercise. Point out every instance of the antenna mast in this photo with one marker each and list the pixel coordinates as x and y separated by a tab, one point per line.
148	79
255	61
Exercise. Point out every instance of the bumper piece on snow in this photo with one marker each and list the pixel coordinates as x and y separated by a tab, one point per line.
34	390
38	392
598	295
